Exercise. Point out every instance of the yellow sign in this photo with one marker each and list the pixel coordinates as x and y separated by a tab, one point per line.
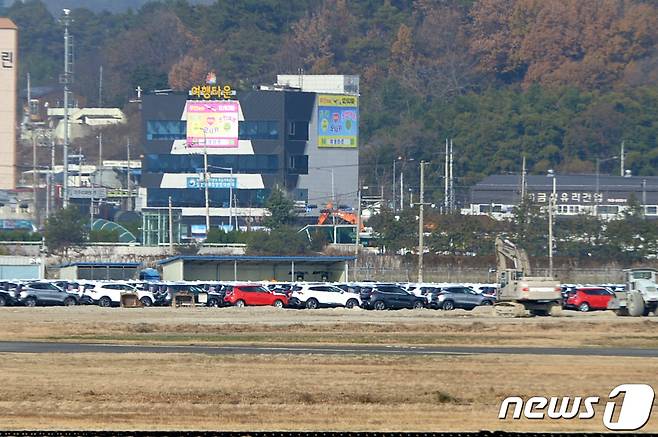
209	91
330	100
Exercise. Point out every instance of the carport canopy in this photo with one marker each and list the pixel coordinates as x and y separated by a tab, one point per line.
256	268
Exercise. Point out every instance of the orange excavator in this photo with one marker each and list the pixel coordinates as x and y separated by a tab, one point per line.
346	216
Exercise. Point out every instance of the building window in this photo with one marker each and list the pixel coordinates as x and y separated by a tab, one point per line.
158	130
193	163
651	210
258	130
606	209
195	198
298	164
298	130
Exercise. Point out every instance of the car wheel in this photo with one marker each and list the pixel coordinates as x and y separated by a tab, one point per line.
379	305
146	301
278	304
69	302
213	303
3	301
486	303
418	305
351	303
30	302
448	305
583	307
105	302
311	304
239	303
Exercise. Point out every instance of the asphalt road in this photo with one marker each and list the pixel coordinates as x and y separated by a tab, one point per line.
44	347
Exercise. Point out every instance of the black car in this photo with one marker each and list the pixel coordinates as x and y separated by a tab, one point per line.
8	293
390	297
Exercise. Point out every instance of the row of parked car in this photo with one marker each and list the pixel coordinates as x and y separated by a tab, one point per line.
310	295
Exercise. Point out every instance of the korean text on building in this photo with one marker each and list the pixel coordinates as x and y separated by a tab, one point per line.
338	121
212	124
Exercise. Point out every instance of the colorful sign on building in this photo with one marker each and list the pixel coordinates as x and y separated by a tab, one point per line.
213	183
338	121
212	124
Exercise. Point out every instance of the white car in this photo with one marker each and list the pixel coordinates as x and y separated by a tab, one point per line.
107	294
312	296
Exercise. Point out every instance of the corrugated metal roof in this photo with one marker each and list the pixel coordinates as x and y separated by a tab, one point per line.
243	258
99	264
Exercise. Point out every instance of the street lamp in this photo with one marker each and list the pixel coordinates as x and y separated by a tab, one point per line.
230	196
402	160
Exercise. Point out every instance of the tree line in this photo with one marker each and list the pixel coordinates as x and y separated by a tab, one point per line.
560	81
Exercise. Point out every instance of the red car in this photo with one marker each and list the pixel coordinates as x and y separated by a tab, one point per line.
250	294
589	298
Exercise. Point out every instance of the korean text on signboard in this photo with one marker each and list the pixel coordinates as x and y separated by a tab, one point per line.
338	121
212	124
211	92
6	59
213	183
576	197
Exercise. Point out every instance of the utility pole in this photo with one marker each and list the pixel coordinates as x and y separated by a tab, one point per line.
128	183
100	86
171	227
402	189
551	204
421	246
66	79
358	231
100	158
34	177
621	157
523	183
205	183
446	201
394	187
452	188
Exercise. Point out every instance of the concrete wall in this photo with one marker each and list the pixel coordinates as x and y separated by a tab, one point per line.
8	97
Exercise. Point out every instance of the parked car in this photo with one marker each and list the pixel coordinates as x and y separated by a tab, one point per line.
108	294
8	293
588	298
253	294
216	292
390	297
449	298
44	293
313	296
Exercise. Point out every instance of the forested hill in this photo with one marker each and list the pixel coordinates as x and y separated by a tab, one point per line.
560	81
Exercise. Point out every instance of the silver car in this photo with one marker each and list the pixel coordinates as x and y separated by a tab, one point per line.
449	298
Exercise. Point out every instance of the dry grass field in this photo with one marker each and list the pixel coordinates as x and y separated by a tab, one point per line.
306	392
457	393
337	326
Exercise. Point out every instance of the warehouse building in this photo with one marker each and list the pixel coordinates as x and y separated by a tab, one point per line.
302	138
603	195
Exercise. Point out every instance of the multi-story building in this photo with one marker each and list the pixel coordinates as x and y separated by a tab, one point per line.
304	141
601	195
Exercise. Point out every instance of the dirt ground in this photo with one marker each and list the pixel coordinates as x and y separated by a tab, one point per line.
338	326
307	392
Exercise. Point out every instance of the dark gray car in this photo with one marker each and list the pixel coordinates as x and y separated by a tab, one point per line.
45	293
449	298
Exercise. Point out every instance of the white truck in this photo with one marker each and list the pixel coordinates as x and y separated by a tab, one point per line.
639	297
